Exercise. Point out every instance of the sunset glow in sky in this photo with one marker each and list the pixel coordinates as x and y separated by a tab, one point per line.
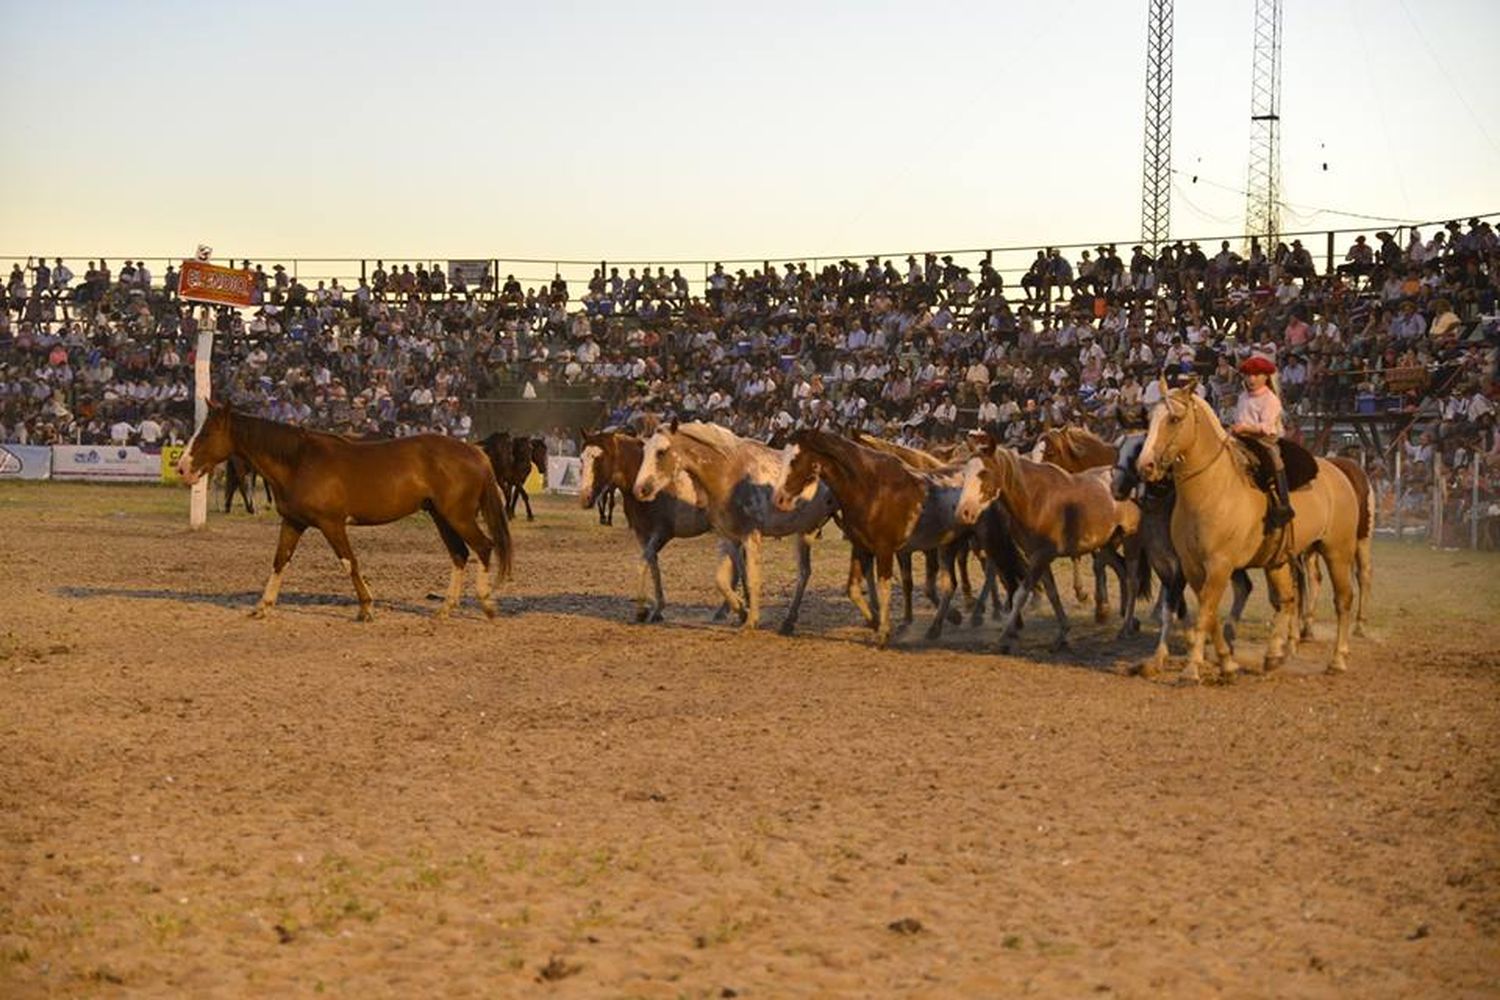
691	131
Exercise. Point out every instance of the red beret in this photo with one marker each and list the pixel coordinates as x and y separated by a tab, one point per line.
1257	364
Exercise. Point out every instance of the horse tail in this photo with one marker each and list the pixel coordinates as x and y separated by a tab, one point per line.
1072	526
493	509
1143	574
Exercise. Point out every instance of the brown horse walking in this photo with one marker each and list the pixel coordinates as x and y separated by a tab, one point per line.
1218	525
327	481
885	507
1078	449
1364	569
1053	513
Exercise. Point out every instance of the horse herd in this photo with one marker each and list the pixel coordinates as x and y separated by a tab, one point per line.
1180	502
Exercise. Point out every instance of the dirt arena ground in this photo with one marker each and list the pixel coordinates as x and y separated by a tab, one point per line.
194	803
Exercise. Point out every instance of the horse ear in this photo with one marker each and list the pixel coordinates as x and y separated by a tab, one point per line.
1191	385
1164	387
673	425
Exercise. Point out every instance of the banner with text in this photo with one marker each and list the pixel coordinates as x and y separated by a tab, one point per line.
105	462
169	456
225	286
564	473
25	461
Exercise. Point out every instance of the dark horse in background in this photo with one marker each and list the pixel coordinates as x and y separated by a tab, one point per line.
513	458
328	482
240	477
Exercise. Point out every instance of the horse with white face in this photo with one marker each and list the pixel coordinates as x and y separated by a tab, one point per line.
736	476
610	461
1053	513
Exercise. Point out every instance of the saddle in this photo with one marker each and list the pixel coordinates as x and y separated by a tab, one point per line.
1300	464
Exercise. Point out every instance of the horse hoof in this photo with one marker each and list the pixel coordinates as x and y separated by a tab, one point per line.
1337	666
1359	630
882	640
1307	633
721	614
1229	633
260	612
643	612
1101	616
1135	626
655	617
441	614
490	611
1060	646
1186	679
365	615
955	617
787	627
1271	664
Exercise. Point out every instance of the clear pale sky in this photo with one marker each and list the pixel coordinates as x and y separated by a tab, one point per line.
708	130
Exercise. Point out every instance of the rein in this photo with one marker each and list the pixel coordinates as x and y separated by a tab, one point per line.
1223	447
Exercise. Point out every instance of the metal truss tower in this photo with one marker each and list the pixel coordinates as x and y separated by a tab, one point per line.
1156	167
1263	187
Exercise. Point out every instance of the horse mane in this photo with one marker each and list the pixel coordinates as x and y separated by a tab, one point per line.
1244	459
277	441
913	457
720	439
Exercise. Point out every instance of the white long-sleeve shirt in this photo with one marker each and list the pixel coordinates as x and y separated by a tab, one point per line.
1261	411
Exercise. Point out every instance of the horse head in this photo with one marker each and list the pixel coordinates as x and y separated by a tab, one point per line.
597	461
799	471
658	465
1169	432
538	448
211	444
991	472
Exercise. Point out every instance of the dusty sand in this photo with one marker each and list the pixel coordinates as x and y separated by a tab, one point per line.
194	803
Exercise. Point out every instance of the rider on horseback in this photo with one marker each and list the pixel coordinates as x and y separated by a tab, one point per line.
1258	417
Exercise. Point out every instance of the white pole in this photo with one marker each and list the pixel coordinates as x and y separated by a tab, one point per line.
198	507
1400	529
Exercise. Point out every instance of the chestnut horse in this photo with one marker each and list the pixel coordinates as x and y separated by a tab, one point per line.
611	461
1077	449
1053	513
327	481
736	476
885	507
1218	526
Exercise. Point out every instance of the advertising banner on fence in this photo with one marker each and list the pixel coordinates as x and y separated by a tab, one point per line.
563	474
169	456
106	462
200	282
473	272
25	461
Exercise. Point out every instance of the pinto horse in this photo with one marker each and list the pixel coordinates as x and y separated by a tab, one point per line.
1218	527
1053	513
611	461
886	507
736	476
327	481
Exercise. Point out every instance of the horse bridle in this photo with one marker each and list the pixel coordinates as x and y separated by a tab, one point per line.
1223	447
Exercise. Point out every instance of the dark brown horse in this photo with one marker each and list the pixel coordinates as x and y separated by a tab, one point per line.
240	477
513	458
327	481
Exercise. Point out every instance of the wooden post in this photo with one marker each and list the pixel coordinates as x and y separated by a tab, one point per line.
1435	521
1474	467
1400	533
202	382
1330	253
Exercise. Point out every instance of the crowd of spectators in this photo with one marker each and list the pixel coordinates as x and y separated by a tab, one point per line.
914	350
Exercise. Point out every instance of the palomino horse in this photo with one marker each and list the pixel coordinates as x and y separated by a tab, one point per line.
1154	539
327	481
736	476
1218	525
1364	570
1078	449
611	461
513	458
1053	513
885	507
